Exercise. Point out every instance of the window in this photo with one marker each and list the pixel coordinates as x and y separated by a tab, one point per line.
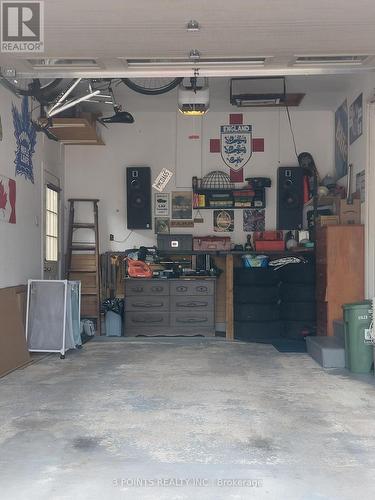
52	225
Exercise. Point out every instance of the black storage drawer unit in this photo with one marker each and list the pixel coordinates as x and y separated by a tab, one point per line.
258	276
183	306
256	294
257	312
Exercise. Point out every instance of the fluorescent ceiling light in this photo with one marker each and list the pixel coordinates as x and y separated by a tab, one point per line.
331	59
259	61
59	63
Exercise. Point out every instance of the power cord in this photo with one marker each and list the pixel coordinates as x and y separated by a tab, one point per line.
289	120
125	239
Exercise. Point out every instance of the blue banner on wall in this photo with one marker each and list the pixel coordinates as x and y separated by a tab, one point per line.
25	134
341	140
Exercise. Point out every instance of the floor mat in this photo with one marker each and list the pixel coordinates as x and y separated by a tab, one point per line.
288	345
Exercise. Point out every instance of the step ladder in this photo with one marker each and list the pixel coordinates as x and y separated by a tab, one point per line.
83	260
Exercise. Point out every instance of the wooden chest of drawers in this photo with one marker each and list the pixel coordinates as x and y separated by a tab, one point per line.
339	272
170	307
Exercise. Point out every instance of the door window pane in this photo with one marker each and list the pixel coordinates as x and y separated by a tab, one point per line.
52	225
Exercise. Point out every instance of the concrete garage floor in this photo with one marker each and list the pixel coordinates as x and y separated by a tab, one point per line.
185	410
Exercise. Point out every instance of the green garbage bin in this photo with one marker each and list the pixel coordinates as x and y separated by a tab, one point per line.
358	350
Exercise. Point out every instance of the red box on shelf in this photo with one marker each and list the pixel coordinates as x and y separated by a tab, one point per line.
269	245
268	235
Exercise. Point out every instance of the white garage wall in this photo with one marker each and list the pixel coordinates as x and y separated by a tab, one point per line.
99	171
20	243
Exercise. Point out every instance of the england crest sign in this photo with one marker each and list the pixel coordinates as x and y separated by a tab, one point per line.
236	148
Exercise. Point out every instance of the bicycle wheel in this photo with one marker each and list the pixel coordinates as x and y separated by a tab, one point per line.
33	87
152	86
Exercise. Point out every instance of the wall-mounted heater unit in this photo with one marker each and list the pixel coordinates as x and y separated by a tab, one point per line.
262	91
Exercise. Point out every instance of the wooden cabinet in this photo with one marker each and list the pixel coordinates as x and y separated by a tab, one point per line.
339	272
170	307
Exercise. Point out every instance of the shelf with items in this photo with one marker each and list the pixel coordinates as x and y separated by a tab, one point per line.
228	199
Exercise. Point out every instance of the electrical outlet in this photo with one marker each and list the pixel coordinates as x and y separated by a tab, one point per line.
111	237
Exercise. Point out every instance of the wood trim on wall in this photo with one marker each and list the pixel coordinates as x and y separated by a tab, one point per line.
370	204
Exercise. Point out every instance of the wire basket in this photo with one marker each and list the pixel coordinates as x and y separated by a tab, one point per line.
217	180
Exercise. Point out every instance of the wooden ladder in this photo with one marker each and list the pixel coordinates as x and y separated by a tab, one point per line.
83	263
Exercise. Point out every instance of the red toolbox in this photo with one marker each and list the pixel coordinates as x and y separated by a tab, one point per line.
211	243
269	241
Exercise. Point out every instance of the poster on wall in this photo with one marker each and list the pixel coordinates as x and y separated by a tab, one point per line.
341	140
254	220
7	200
25	134
162	225
182	205
355	119
361	185
223	221
162	204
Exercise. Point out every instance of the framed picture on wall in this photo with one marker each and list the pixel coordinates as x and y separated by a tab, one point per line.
361	185
254	220
162	225
161	204
355	119
182	205
223	221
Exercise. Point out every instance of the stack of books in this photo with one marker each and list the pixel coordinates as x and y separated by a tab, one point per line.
220	200
199	200
243	198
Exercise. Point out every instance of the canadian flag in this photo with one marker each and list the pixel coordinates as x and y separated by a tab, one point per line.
7	200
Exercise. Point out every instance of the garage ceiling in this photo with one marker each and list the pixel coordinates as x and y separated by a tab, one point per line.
112	32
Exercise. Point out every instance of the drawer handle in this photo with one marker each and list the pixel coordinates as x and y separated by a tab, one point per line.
137	289
181	288
192	320
202	289
157	288
192	304
147	320
148	305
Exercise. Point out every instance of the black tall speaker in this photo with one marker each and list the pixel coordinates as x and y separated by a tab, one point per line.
138	187
289	197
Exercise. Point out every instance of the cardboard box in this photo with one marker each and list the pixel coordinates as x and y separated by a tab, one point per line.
328	220
13	348
350	213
